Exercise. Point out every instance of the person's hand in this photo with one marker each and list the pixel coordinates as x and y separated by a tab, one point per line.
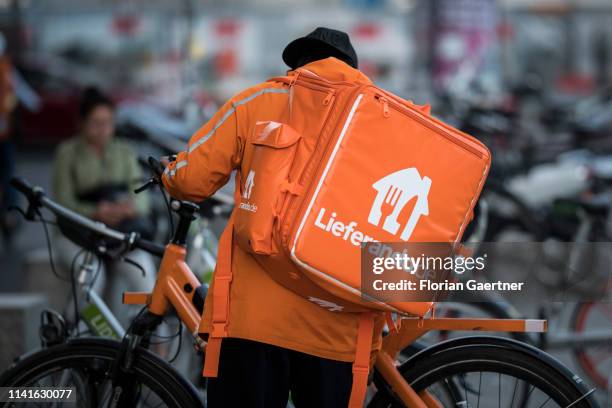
108	213
165	161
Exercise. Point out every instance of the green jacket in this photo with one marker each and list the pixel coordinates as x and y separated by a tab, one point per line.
78	168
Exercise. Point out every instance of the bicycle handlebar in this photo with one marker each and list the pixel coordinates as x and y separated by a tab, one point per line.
150	247
37	198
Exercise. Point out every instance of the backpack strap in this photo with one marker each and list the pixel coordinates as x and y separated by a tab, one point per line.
222	280
393	326
288	80
361	366
220	303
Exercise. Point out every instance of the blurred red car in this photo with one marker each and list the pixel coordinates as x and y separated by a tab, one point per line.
58	115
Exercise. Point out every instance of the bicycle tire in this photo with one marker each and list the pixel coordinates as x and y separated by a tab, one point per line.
487	354
148	369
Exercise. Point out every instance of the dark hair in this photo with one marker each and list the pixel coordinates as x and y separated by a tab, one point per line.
92	98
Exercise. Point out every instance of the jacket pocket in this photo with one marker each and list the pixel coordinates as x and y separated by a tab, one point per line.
264	183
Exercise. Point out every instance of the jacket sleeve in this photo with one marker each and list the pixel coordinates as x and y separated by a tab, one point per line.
213	152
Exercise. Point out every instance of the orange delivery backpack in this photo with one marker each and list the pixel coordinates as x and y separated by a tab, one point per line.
320	182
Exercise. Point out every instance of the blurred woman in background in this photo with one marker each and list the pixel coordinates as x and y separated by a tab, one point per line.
94	175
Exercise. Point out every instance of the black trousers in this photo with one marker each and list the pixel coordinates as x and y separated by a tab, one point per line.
258	375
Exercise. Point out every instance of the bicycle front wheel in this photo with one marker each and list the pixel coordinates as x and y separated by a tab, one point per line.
488	372
86	365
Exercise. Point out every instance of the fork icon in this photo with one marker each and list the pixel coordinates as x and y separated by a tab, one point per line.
390	210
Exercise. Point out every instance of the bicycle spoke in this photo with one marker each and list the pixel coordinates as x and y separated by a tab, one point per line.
479	389
462	377
545	402
514	392
499	391
449	386
107	394
528	395
148	394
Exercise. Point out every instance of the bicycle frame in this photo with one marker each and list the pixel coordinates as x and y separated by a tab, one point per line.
564	338
176	286
99	318
96	313
93	311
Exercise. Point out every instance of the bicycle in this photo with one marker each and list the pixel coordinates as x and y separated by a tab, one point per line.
112	373
94	315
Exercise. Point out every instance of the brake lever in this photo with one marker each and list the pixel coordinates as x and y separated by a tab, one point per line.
31	212
149	184
33	195
157	169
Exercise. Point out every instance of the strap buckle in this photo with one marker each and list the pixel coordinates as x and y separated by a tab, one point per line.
224	278
293	188
218	330
360	369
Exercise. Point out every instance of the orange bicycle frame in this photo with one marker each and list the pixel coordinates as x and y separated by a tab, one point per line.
176	286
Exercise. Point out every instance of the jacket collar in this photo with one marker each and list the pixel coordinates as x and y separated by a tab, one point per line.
333	69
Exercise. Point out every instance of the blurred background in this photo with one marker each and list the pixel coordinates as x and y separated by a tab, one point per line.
531	78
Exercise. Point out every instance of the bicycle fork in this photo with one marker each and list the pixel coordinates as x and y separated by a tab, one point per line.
125	392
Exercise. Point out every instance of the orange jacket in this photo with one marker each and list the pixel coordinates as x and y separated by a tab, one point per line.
260	309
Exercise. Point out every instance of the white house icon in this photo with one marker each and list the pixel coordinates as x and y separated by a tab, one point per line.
394	192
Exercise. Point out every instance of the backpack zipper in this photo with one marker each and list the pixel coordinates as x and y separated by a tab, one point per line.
304	73
385	104
330	100
427	123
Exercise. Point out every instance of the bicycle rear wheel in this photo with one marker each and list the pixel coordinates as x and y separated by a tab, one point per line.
86	365
488	372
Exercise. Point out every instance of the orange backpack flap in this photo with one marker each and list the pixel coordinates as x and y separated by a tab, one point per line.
273	147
